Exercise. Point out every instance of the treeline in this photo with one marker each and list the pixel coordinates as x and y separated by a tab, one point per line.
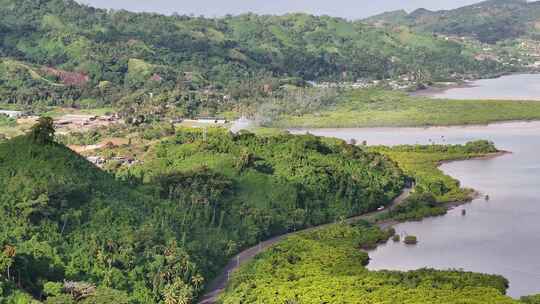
72	233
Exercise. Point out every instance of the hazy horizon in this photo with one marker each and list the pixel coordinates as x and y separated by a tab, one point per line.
350	9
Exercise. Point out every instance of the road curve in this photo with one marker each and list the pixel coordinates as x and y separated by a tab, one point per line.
217	286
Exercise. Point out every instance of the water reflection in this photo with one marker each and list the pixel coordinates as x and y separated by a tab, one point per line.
501	235
511	87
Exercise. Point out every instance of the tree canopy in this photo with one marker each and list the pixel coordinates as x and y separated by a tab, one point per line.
159	231
43	131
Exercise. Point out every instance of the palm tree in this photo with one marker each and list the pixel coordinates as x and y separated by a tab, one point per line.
178	293
43	131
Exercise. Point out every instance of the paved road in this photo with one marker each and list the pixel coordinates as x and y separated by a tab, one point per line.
217	286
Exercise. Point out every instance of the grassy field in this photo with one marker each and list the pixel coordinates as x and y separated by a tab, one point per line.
13	65
376	108
11	128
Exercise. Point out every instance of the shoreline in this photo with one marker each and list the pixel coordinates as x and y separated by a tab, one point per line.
460	84
419	126
475	194
219	284
432	90
386	127
510	104
480	157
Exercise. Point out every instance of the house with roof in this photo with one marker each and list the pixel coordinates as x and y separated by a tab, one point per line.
11	114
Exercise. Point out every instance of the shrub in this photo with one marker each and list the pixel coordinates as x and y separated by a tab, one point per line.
411	240
531	299
53	288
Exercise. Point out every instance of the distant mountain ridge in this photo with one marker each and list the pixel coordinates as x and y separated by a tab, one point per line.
489	21
59	51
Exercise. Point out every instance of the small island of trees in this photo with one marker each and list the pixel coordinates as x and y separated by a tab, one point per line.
410	240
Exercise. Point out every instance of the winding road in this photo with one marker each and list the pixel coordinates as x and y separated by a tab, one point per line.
217	286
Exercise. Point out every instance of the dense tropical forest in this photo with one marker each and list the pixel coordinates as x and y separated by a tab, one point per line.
329	264
72	233
161	228
159	231
326	266
56	52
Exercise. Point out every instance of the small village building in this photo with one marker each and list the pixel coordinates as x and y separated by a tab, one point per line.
96	160
211	120
81	120
176	120
11	114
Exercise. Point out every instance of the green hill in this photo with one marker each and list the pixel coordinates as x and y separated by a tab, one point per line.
58	212
489	21
75	52
71	233
294	170
388	18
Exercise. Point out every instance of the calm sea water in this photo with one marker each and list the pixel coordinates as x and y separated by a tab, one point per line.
499	236
516	87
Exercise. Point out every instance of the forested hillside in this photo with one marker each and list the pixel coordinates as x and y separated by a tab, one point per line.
58	52
489	21
71	233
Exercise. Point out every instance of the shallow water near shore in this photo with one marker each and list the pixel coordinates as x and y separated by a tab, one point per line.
499	236
509	87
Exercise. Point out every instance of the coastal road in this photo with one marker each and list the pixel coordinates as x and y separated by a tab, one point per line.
217	286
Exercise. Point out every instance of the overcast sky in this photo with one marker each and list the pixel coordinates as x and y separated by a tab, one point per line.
352	9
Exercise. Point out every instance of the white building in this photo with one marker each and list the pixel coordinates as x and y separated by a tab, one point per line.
211	120
11	114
